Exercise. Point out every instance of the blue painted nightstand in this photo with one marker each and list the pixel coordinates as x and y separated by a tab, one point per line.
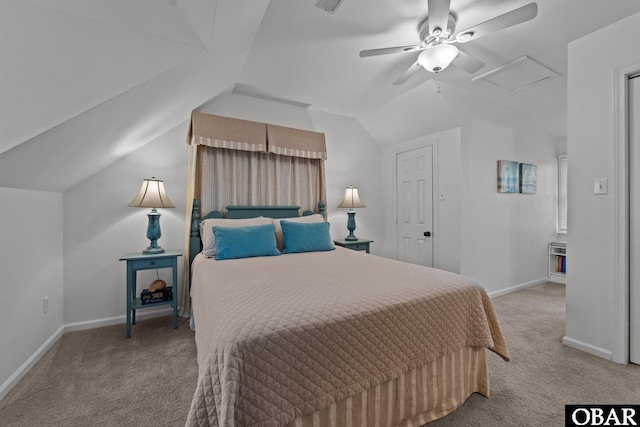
138	261
356	245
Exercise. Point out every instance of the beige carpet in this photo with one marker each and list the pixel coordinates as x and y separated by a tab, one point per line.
99	378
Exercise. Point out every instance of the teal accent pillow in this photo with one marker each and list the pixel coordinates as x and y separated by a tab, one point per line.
245	242
305	237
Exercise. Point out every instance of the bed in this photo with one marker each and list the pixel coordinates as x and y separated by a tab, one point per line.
333	337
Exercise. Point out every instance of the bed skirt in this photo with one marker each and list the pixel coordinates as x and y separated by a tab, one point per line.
413	399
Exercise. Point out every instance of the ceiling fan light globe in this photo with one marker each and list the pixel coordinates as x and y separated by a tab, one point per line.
437	58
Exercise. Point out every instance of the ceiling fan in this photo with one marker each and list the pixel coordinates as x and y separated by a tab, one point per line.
437	41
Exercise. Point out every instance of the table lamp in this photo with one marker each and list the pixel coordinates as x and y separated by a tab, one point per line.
351	200
152	195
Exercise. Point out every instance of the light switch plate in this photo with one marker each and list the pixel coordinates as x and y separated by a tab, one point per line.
601	186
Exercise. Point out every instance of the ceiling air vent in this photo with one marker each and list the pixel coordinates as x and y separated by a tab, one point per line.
329	5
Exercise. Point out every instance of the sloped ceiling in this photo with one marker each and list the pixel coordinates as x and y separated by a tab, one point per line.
75	125
187	22
85	82
58	64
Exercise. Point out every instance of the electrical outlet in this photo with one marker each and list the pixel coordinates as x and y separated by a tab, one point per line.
45	305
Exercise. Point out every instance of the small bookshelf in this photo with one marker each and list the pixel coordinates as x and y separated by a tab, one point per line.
558	262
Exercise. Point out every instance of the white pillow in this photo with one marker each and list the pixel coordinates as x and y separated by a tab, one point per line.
304	219
208	238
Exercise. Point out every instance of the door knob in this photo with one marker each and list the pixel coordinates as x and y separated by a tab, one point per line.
427	233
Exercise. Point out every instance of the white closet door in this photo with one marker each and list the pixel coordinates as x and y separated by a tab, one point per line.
634	219
414	192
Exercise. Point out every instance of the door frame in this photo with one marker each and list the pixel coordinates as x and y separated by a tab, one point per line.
621	280
434	200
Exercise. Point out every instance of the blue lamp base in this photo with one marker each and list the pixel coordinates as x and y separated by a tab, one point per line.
351	225
153	233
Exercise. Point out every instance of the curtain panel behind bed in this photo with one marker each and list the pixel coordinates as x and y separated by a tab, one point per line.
231	177
240	162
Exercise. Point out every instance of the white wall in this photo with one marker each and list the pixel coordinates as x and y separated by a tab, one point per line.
499	239
99	227
354	158
447	177
591	134
30	268
504	237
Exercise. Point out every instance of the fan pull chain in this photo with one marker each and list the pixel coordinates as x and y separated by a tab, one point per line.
438	85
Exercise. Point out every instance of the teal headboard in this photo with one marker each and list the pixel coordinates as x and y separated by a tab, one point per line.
239	212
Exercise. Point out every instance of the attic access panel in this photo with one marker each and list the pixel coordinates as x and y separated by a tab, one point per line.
329	5
519	74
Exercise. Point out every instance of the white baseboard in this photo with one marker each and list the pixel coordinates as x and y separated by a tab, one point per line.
30	362
110	321
519	287
592	349
72	327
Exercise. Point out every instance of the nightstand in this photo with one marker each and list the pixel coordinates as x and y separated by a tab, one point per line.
138	261
356	245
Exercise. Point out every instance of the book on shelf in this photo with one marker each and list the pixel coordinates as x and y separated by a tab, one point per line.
561	264
165	294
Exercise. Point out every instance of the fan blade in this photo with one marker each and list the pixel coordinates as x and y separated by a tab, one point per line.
438	16
413	69
388	50
467	62
516	16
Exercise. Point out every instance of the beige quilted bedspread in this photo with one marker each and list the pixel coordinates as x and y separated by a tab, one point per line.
281	337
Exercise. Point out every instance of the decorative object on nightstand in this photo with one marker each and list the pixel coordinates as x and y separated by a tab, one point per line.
351	200
157	285
152	195
355	245
169	295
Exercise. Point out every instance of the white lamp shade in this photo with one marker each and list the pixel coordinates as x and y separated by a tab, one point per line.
351	199
438	57
152	195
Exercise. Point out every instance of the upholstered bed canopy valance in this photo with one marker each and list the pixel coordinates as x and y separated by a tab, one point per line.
236	134
296	142
241	162
225	132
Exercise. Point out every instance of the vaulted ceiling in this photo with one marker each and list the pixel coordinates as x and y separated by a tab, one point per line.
85	82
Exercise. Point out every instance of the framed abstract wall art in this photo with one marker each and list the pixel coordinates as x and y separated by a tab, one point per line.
528	178
507	176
